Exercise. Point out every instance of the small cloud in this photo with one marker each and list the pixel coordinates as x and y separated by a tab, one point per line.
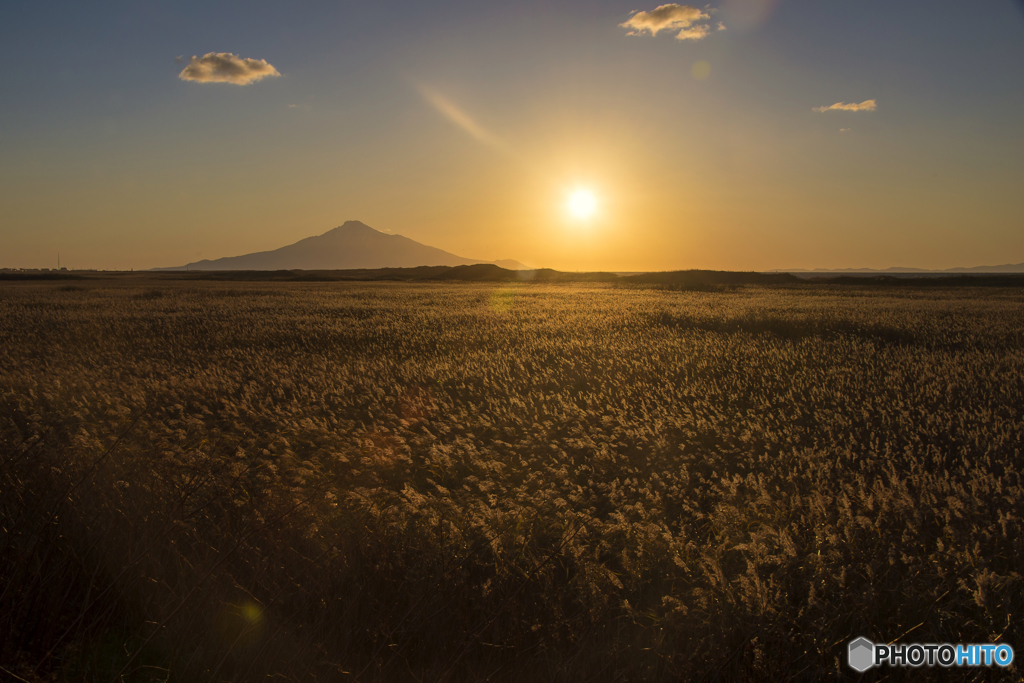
224	67
693	33
721	26
844	130
672	17
292	106
180	59
866	105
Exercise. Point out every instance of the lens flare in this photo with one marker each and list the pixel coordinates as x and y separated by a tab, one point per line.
502	300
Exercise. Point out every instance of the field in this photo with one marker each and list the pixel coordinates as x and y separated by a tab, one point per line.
230	481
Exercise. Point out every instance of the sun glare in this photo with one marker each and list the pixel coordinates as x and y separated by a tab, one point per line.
582	203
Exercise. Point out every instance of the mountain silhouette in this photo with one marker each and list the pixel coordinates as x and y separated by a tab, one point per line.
350	246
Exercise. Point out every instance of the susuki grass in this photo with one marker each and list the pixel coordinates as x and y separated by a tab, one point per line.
392	482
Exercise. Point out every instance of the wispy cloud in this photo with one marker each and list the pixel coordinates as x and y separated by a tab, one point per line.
671	17
866	105
453	113
224	67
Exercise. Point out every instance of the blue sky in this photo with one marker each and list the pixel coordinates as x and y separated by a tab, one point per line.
109	157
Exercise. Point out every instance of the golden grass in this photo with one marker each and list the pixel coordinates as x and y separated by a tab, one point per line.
392	482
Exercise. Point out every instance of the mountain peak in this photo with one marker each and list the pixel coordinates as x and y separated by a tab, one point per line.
352	226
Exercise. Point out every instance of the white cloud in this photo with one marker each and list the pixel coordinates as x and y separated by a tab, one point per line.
866	105
224	67
672	17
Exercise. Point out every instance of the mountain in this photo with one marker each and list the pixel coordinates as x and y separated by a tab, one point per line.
351	246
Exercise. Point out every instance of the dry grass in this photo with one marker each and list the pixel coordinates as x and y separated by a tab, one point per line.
396	482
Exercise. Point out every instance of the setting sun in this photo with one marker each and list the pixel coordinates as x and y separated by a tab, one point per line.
582	203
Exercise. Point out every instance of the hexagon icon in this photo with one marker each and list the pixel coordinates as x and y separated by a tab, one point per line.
862	654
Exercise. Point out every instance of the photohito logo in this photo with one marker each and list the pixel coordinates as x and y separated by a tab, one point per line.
862	654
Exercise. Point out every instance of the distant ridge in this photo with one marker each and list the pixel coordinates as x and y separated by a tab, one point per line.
679	280
695	278
1008	268
477	272
351	246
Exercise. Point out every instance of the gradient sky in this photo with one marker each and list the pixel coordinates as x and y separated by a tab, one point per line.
465	125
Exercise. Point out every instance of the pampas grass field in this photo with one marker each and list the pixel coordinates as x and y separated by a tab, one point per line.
223	481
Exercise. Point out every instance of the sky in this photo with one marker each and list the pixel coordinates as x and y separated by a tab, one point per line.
740	135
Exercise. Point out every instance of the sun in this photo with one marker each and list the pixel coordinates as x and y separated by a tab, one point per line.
581	203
